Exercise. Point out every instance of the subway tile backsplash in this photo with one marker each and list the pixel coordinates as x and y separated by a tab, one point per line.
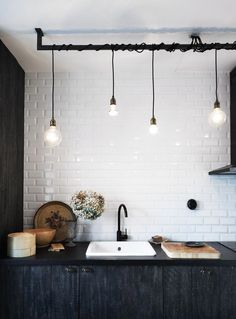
153	175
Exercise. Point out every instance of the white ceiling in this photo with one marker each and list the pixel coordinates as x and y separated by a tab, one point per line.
116	21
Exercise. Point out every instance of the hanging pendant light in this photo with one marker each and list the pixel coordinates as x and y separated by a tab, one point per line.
52	136
113	107
153	129
217	117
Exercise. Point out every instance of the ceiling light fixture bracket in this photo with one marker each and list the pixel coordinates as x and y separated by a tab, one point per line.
196	45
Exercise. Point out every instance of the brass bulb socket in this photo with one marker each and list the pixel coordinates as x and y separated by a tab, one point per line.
113	101
53	122
153	121
216	104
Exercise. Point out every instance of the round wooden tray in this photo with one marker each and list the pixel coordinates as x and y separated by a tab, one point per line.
54	214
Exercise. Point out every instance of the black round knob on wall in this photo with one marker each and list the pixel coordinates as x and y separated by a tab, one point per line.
192	204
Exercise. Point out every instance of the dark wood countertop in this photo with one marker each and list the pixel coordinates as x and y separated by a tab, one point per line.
76	256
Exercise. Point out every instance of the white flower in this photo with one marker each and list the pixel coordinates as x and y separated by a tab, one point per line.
87	204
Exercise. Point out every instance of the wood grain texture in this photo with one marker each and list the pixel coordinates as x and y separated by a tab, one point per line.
11	292
37	293
179	250
177	292
65	292
93	292
228	292
11	145
233	115
115	291
135	292
206	293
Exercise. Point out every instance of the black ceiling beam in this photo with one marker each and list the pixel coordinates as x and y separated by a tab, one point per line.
196	45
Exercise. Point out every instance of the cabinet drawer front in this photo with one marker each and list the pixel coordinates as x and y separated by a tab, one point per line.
12	292
177	292
37	292
93	292
228	292
135	292
206	292
65	292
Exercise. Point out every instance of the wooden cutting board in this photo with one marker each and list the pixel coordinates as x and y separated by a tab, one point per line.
179	250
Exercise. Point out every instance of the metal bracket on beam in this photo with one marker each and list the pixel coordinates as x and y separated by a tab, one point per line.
40	34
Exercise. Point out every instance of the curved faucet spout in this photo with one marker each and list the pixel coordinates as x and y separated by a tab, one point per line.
121	236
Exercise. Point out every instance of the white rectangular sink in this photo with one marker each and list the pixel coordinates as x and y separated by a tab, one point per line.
119	248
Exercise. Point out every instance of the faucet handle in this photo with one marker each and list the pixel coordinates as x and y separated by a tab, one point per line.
124	235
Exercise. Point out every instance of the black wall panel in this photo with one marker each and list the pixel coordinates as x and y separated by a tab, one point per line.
12	79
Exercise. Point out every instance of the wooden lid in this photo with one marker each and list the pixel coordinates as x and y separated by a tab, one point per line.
21	235
20	241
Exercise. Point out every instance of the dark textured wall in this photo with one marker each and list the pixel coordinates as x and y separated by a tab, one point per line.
233	115
12	78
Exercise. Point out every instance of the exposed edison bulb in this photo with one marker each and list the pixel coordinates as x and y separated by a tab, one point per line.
217	117
153	129
113	107
52	136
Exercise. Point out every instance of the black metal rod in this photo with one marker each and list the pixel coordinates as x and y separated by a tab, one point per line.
196	46
53	76
113	75
153	86
216	76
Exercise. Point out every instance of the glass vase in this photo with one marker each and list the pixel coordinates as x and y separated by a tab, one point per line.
71	232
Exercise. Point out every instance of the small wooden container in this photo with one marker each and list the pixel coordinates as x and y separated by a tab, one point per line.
44	236
21	244
22	252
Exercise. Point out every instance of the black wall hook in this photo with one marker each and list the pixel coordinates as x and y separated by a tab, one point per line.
192	204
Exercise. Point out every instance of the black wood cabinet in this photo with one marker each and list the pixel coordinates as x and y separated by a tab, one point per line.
39	292
206	288
116	292
228	292
11	145
199	292
177	291
135	292
11	292
65	292
94	294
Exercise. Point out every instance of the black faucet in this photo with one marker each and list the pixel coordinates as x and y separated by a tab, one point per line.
121	236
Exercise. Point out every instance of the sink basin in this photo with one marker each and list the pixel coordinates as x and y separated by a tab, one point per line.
119	248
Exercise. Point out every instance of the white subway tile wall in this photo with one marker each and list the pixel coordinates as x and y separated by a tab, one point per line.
153	175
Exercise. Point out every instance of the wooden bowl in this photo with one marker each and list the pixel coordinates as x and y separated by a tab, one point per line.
44	236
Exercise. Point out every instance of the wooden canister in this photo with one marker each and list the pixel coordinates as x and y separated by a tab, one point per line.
21	244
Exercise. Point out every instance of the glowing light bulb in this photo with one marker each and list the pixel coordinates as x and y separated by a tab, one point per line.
153	129
52	136
113	107
217	117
